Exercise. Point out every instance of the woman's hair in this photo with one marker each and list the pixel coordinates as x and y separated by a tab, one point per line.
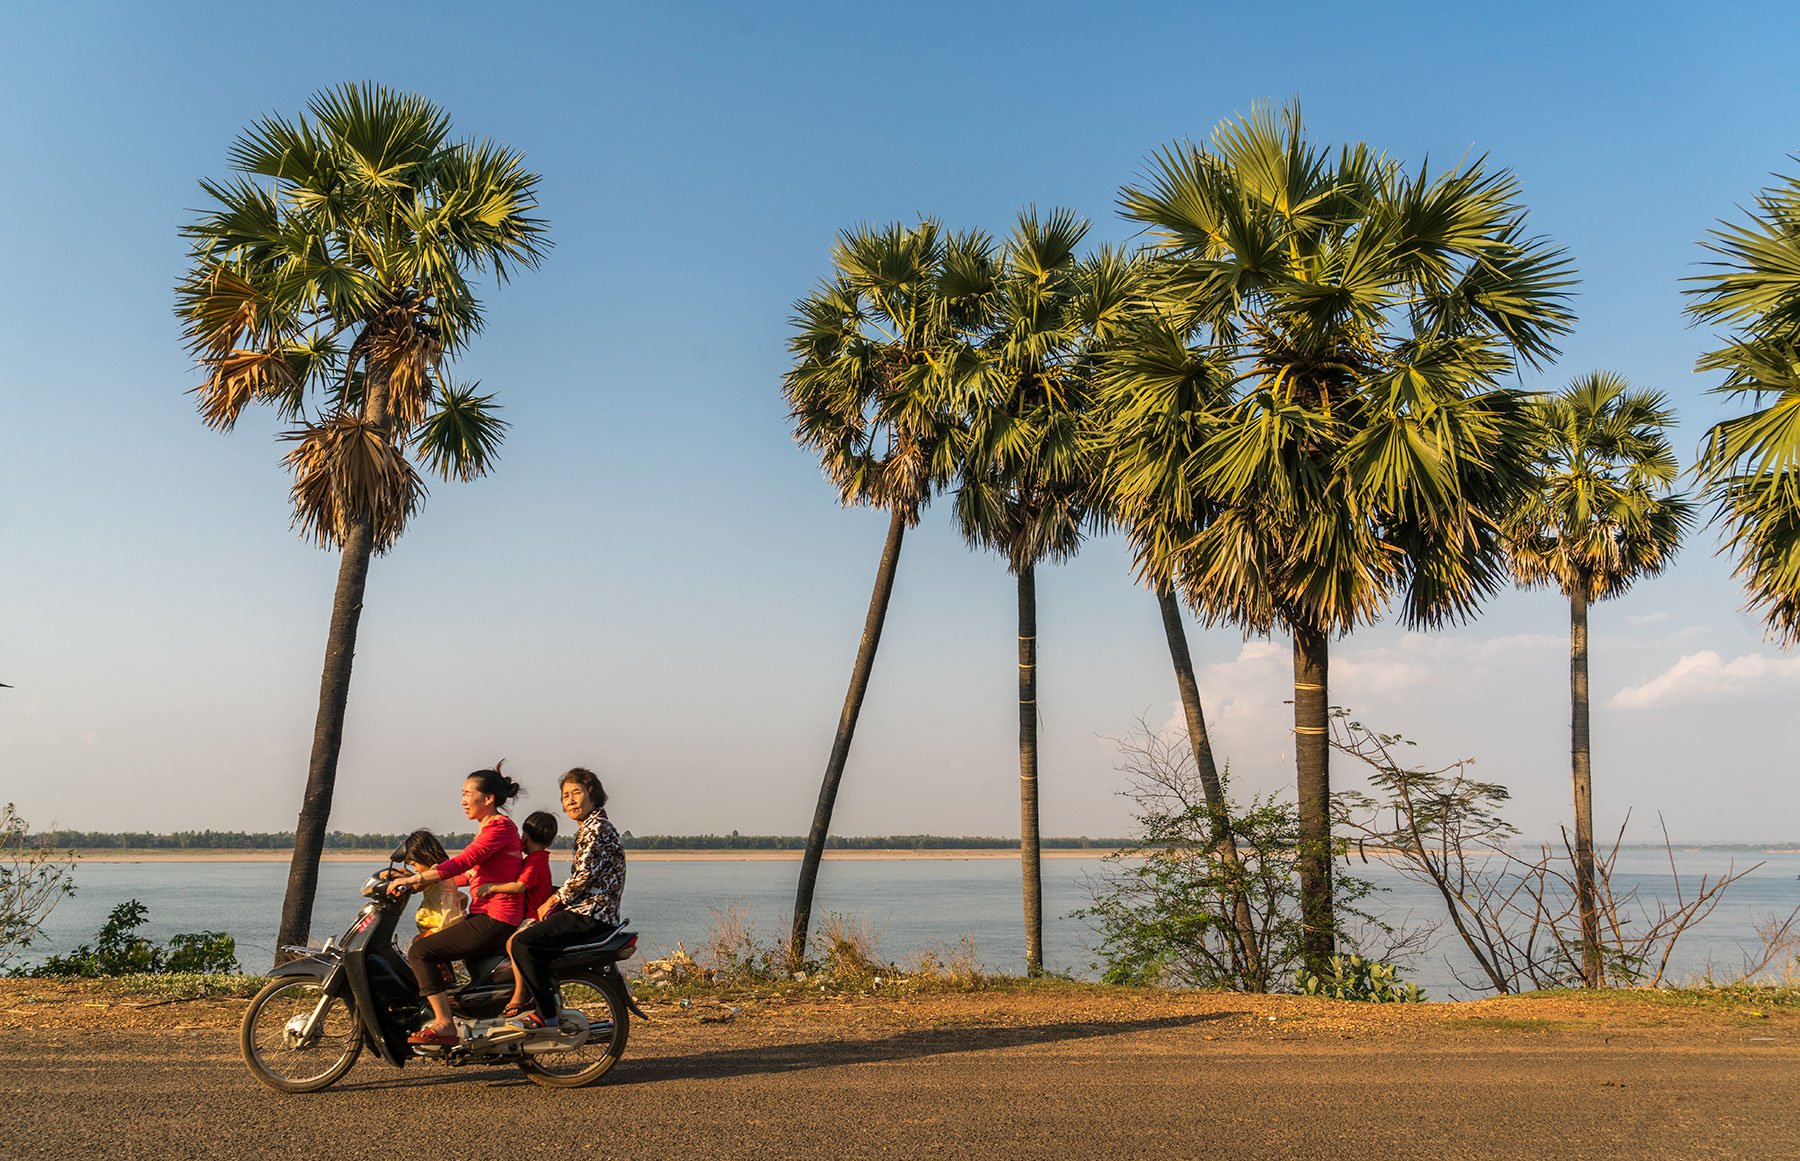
596	793
421	846
540	827
493	782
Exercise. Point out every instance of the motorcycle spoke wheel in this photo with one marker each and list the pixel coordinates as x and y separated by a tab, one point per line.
603	1003
279	1054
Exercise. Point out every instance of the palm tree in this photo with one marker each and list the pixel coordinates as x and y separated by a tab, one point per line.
871	391
330	280
1361	450
1154	397
1749	465
1026	477
1601	517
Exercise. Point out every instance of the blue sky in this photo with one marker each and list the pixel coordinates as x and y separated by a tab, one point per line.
657	583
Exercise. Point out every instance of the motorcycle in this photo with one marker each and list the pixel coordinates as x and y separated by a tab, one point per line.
306	1029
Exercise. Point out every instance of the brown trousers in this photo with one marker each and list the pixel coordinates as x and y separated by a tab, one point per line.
474	936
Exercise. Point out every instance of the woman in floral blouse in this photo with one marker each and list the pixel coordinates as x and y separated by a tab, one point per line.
585	908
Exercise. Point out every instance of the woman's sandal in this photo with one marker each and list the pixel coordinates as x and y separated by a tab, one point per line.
442	1037
512	1010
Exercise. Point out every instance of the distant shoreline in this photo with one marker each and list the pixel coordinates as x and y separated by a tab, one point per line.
340	855
706	855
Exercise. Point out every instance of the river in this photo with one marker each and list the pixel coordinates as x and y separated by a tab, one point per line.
912	905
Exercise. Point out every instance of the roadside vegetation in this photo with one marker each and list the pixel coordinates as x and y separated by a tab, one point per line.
118	950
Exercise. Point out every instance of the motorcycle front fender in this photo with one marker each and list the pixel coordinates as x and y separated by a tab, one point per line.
325	969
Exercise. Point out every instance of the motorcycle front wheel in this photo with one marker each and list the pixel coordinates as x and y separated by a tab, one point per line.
602	1000
277	1046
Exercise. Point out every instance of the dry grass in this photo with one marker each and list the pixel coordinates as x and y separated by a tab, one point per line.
734	959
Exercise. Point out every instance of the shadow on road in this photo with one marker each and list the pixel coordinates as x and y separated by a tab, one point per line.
902	1046
779	1058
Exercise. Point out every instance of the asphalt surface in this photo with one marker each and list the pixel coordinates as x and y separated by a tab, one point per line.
1160	1086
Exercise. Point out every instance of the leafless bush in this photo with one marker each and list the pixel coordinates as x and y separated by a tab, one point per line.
33	880
1776	959
1514	912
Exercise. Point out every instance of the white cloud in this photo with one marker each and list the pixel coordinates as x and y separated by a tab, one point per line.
1647	619
1705	676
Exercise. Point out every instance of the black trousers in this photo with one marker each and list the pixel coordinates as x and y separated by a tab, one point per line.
476	935
534	947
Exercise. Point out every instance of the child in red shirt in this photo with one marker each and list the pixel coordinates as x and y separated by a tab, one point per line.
536	836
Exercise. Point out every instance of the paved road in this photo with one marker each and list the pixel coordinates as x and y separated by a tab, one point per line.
1185	1085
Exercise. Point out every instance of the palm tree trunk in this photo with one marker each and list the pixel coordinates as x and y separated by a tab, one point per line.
328	739
1312	765
1030	869
1201	743
334	698
840	746
1585	875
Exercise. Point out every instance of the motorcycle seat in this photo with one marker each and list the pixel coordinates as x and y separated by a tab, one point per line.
482	967
612	941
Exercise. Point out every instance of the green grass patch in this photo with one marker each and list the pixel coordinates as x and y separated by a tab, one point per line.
173	986
1753	1000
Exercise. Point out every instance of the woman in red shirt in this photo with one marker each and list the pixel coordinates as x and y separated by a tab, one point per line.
494	857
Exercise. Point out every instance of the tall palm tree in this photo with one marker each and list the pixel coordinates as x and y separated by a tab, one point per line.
330	280
1154	400
1749	465
871	391
1362	451
1603	515
1026	475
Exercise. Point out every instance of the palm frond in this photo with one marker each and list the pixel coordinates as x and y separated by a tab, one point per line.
346	471
461	439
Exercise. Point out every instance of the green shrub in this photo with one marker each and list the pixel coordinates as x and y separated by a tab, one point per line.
1354	978
118	950
1166	908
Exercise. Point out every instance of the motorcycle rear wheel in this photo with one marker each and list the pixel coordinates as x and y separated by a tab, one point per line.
274	1055
602	1000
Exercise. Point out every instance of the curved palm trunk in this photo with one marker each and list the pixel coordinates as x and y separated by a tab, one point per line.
328	739
1585	875
1201	743
1029	865
1312	766
334	698
840	746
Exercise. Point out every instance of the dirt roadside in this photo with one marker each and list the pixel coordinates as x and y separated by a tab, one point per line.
1051	1071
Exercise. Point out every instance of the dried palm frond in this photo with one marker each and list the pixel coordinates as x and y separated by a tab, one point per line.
345	471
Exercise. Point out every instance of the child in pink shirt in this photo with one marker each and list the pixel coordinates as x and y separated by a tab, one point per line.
536	836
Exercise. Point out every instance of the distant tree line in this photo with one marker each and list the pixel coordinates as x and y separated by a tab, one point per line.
216	840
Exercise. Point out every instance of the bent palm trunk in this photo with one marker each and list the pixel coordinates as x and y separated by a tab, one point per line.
328	740
1586	879
1312	765
1200	742
840	746
1030	868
